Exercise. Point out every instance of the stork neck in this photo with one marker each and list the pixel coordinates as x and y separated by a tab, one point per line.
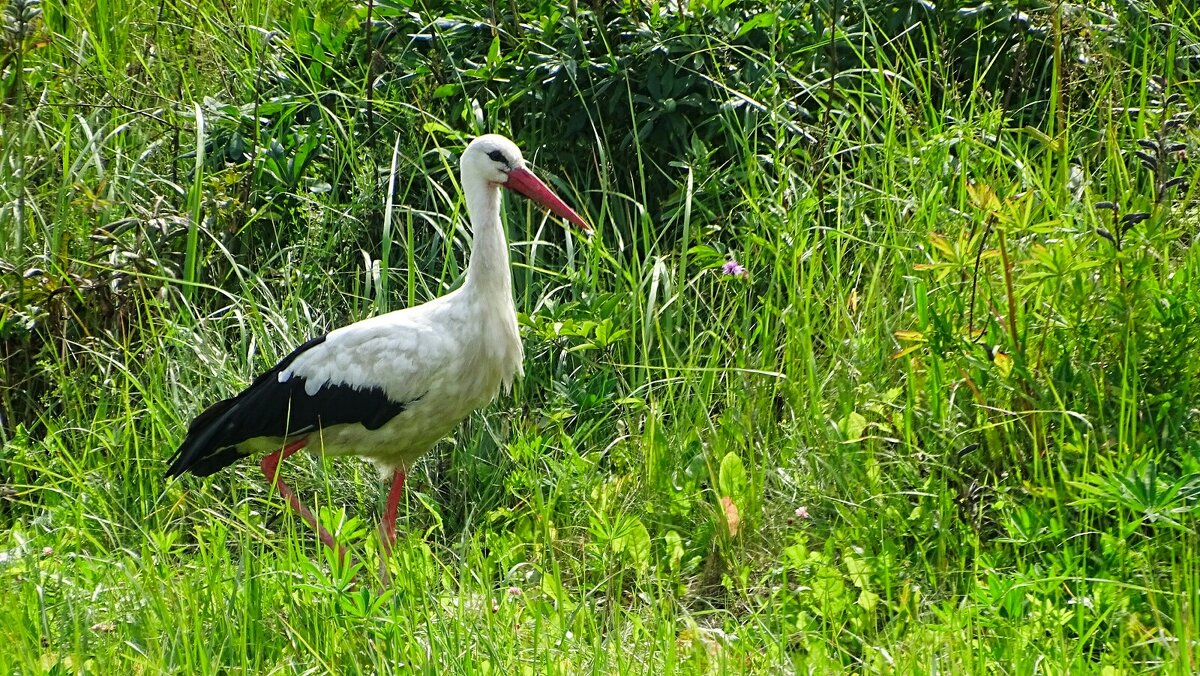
488	271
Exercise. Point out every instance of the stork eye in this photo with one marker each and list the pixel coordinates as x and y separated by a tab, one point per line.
497	156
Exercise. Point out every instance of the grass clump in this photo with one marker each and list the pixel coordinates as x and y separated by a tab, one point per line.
883	358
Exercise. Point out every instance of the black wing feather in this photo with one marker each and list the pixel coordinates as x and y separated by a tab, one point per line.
269	408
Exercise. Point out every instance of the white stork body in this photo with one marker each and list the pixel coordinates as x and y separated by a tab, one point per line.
411	356
388	388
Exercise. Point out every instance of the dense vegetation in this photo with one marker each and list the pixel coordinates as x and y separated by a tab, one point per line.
885	355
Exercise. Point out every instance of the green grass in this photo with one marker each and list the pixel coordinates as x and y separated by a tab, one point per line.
946	421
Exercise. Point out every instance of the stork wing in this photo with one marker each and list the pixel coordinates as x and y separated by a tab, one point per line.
320	384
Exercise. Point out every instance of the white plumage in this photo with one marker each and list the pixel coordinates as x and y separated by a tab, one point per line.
388	388
443	359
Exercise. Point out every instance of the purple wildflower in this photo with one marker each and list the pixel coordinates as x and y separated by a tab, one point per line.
734	268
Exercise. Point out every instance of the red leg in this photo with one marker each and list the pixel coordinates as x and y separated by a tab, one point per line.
387	527
270	469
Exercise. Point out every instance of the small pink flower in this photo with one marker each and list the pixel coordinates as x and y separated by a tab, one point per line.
801	512
734	269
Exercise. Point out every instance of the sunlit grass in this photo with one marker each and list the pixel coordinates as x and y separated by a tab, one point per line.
943	422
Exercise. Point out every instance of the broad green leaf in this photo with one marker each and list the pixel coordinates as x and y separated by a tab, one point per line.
796	556
763	20
731	478
868	600
1004	363
852	426
634	542
858	571
437	128
674	545
446	90
493	57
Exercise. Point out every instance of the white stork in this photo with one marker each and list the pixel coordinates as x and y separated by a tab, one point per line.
388	388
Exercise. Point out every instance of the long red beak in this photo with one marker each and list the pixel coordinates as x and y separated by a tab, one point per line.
523	181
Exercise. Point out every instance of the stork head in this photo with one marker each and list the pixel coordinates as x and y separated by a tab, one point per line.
498	161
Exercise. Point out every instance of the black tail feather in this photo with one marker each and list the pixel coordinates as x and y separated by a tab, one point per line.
197	453
278	406
262	409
